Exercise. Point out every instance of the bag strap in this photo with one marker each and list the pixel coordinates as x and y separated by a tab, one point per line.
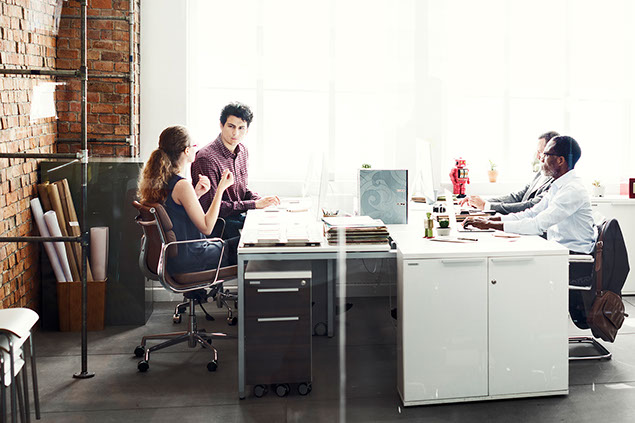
598	262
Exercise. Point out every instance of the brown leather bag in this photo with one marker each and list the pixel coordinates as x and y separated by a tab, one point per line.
607	312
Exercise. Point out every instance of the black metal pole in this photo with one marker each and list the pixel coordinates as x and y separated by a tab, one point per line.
38	156
84	374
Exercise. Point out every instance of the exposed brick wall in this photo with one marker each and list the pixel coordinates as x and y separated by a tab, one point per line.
27	38
108	99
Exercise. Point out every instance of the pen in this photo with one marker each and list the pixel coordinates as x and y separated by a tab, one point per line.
468	239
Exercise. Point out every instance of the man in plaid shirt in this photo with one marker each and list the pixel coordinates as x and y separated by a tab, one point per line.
227	152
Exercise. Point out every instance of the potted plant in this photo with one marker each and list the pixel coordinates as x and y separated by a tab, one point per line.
492	173
444	228
597	188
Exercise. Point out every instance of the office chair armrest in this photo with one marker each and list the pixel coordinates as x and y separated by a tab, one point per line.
162	267
579	288
222	231
581	258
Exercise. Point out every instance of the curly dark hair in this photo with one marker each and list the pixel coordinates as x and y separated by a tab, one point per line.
241	111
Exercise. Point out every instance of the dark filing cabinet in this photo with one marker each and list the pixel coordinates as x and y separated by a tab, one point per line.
278	329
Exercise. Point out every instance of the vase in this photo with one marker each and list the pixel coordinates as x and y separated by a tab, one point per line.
597	191
492	174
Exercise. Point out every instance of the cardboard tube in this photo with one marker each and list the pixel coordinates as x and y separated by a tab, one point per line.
56	264
54	229
56	203
99	252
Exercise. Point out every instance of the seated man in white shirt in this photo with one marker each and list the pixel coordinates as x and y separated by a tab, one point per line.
565	210
527	197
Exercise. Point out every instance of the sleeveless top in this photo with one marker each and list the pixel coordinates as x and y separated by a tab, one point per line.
196	256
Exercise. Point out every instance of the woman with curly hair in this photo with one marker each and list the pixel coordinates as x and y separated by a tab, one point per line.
161	182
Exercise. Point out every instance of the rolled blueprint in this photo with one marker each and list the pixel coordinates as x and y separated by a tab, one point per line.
99	252
54	229
38	215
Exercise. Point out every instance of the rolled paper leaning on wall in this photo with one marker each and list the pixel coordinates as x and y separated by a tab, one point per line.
99	252
54	229
56	204
38	216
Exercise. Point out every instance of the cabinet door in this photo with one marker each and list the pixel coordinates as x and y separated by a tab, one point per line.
528	312
443	329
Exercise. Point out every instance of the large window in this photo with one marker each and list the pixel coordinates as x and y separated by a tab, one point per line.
323	77
512	70
361	80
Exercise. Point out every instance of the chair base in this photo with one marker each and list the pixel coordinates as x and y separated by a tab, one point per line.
604	354
192	336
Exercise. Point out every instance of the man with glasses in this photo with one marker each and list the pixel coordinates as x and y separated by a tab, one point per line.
565	210
527	197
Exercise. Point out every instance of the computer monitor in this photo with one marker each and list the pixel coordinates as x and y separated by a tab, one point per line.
423	179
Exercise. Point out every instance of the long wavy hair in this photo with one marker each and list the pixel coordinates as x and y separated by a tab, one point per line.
162	165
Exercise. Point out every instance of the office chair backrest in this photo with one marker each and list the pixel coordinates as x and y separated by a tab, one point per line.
614	261
156	232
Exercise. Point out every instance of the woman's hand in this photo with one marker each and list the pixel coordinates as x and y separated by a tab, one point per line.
226	180
202	186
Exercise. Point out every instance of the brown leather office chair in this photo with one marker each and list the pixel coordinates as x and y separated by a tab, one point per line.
158	243
614	267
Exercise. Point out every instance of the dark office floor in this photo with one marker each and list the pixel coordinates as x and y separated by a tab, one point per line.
178	386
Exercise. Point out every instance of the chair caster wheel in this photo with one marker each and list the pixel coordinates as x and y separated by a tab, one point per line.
143	366
236	304
139	351
320	329
282	390
176	319
304	388
212	366
260	391
232	321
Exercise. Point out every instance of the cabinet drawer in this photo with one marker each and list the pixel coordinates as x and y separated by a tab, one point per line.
277	351
275	299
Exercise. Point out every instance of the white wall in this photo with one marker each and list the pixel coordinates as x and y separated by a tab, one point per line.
163	72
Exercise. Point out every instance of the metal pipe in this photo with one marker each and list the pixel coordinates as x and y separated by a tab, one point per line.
109	76
48	72
84	374
40	238
38	156
131	79
65	140
96	18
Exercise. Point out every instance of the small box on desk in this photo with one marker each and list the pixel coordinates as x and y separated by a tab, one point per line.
69	304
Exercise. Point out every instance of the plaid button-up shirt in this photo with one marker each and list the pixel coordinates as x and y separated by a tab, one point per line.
211	161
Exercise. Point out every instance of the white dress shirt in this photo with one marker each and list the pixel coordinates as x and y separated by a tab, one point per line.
564	213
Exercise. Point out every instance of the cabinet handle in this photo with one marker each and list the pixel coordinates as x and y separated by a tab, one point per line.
278	319
462	261
278	289
254	283
493	281
511	259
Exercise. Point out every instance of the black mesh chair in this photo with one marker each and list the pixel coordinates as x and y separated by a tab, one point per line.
583	271
158	243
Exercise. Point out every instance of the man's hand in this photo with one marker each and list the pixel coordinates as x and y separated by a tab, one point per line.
202	186
477	222
474	201
267	201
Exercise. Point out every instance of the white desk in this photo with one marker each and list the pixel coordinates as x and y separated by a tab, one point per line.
482	320
321	253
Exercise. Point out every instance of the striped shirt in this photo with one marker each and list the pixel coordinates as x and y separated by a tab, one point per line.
211	161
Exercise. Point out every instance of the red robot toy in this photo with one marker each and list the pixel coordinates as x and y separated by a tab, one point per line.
459	178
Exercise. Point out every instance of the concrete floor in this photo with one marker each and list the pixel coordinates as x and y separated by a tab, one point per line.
178	386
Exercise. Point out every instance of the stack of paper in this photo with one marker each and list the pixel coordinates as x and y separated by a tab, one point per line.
357	230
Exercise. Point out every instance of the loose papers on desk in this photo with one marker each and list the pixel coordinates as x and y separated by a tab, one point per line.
358	230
